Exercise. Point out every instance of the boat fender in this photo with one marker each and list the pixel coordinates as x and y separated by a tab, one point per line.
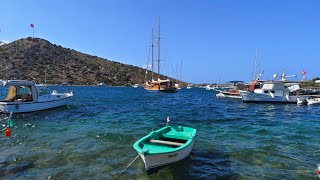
287	97
271	94
8	132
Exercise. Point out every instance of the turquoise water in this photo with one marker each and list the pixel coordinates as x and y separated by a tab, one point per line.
93	137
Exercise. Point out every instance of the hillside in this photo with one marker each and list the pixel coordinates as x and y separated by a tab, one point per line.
32	58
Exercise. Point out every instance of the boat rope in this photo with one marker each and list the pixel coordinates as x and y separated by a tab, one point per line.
130	164
4	118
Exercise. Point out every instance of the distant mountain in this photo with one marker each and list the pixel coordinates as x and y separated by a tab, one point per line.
33	58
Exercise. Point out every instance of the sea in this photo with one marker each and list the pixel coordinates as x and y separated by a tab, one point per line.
92	137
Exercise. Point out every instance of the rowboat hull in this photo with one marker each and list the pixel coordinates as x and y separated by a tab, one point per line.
155	161
165	146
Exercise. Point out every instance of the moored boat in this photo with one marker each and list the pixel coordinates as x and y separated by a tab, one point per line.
102	84
313	100
231	93
165	146
135	85
237	86
160	85
275	91
26	96
189	86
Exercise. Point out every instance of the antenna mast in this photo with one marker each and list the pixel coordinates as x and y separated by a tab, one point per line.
152	46
253	75
159	49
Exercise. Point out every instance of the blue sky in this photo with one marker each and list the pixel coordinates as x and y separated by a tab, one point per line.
216	41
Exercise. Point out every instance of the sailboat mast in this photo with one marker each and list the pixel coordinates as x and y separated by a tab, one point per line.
152	46
159	49
45	76
180	71
253	75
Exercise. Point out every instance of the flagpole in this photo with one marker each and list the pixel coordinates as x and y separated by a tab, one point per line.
32	26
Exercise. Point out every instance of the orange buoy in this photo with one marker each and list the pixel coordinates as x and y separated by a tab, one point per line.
8	132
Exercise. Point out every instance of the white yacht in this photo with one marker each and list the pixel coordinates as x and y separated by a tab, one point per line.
26	96
275	91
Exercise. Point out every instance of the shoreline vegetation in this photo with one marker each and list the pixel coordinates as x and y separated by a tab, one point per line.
41	61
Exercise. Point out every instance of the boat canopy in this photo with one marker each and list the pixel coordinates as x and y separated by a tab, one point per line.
273	86
18	83
165	80
20	89
293	88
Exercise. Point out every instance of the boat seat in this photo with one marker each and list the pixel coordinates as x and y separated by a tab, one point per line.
177	135
26	97
166	142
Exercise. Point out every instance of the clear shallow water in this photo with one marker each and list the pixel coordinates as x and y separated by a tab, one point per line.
93	137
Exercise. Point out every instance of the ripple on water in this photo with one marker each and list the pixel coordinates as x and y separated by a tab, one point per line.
93	138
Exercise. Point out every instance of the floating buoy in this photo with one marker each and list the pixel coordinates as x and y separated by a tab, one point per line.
10	123
8	132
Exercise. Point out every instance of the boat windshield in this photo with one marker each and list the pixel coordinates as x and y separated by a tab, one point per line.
19	93
44	91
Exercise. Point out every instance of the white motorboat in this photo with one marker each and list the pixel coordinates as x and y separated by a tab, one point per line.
275	91
315	100
26	96
208	87
232	93
135	85
102	84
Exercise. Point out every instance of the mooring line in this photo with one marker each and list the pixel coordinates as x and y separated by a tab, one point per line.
129	164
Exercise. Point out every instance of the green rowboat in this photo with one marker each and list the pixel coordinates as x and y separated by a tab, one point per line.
165	146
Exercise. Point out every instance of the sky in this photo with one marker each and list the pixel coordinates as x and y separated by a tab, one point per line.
202	41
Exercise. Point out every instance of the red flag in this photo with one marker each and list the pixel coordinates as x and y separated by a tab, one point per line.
304	72
168	119
32	25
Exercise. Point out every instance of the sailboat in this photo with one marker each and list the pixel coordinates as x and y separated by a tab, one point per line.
159	85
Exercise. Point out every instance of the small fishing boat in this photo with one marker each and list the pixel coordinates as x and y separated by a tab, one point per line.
135	86
313	100
26	96
231	93
189	86
165	146
102	84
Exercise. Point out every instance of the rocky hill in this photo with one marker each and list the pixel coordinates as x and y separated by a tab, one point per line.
35	59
